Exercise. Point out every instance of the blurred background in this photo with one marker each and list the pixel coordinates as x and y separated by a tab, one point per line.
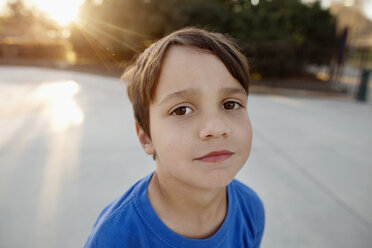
312	44
67	138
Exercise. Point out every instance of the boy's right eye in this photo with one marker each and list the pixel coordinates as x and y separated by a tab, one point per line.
183	110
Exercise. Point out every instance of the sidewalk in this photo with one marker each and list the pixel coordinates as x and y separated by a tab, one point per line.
68	147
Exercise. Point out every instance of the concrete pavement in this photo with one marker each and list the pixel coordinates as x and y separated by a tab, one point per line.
68	147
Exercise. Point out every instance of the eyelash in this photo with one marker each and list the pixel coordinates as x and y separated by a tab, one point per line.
187	110
179	108
236	105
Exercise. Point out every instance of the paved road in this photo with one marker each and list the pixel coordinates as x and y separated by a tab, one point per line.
68	147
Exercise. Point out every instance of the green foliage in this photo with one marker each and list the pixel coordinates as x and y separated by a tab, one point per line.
278	36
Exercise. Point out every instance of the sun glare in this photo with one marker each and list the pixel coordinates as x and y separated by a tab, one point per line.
63	11
63	110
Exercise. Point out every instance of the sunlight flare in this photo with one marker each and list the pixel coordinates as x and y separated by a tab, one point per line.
63	12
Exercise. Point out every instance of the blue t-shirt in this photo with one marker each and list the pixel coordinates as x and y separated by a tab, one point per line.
130	221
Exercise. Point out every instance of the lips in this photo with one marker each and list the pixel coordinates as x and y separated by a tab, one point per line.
216	156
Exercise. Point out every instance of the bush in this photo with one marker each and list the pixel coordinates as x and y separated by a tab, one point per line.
280	37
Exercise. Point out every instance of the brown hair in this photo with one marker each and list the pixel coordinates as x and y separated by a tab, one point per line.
143	74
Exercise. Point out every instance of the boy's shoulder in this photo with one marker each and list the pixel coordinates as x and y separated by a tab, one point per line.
246	197
250	207
119	222
244	191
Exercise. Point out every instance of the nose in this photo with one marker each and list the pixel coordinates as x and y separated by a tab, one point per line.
214	126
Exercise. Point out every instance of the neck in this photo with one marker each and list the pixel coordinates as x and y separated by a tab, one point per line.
187	210
181	195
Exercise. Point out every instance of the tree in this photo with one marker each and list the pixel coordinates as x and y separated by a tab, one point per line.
278	36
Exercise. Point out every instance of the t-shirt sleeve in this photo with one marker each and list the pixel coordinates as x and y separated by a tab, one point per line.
114	221
91	243
120	229
252	209
260	223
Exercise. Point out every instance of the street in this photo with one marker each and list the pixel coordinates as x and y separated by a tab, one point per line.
68	147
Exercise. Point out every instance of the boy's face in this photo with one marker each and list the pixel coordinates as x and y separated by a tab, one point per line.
199	125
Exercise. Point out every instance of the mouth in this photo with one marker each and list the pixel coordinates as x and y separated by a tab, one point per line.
215	156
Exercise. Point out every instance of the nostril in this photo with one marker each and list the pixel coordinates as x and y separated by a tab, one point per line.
213	126
213	133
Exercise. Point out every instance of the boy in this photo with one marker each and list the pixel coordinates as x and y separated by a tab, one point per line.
189	94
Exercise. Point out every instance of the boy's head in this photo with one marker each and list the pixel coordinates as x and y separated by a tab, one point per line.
143	75
189	92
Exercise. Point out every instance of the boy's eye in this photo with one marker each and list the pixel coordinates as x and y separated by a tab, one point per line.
183	110
231	105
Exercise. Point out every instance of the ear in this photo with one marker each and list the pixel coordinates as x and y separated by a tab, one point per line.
145	140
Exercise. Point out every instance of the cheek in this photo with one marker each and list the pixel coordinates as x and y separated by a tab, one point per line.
244	134
172	140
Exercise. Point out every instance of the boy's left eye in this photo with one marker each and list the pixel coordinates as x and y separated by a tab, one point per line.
231	105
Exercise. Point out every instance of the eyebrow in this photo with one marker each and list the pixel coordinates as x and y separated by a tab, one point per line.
185	93
234	90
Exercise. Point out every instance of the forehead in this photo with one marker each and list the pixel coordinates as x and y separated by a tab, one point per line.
185	67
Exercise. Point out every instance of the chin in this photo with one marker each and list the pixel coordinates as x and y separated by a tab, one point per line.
217	179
